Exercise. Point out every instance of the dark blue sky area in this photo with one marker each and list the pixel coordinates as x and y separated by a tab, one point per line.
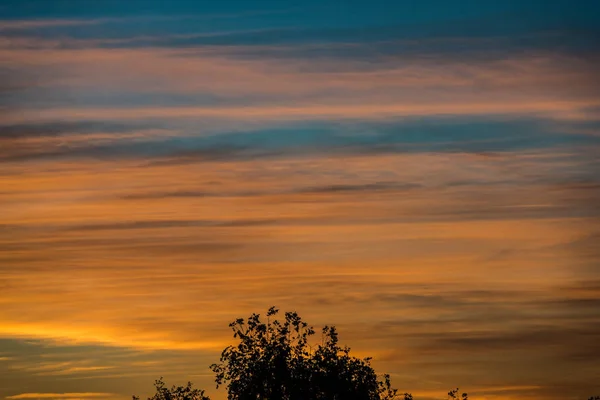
316	13
523	25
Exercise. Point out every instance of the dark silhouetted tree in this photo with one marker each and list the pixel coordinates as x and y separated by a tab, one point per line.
453	394
176	392
274	361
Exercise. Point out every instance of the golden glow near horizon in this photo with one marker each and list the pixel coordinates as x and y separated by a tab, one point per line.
440	208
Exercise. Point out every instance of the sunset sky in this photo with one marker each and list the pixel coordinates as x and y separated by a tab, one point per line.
425	175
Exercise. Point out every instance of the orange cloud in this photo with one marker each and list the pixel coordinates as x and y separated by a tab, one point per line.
311	112
540	84
59	395
90	262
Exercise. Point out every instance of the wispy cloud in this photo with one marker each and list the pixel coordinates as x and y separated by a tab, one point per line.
59	395
23	24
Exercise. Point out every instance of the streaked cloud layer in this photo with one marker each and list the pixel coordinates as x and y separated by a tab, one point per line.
425	177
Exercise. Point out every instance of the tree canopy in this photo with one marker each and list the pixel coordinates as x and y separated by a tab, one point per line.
274	360
187	392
